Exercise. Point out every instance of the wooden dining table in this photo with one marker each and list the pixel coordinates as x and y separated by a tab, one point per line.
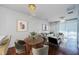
33	43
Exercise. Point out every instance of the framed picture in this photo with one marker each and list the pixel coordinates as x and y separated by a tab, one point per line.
44	27
21	25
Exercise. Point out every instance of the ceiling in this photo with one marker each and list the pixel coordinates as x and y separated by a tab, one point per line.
48	12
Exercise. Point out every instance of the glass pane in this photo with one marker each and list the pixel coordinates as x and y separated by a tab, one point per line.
69	29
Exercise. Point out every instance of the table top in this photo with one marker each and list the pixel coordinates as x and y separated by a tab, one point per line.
34	41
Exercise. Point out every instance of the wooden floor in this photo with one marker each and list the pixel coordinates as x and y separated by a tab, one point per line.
12	51
53	50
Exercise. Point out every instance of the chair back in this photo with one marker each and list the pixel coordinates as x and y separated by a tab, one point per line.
53	40
40	51
20	46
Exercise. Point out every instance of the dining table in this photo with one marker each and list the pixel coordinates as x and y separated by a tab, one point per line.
33	43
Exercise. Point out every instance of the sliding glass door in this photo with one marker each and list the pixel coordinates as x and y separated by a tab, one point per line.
69	28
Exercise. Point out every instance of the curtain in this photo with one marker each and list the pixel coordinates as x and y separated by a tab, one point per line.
69	29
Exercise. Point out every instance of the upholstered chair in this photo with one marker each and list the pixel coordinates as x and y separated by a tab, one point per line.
41	51
4	45
20	47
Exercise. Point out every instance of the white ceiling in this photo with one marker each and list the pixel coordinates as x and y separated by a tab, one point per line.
48	12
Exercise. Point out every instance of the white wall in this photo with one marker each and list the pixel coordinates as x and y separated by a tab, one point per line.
8	19
54	27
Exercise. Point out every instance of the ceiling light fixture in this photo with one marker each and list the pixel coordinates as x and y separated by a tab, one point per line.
32	7
62	21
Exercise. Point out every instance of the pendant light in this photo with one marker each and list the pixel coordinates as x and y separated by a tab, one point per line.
32	7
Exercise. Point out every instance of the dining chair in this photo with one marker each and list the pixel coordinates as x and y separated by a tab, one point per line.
41	51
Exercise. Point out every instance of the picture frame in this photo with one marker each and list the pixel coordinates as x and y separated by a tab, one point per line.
44	27
21	25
